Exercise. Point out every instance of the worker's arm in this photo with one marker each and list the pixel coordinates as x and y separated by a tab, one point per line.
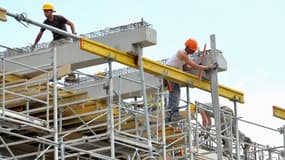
38	38
188	61
71	26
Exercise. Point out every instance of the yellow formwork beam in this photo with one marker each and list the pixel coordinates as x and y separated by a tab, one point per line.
3	14
278	112
157	68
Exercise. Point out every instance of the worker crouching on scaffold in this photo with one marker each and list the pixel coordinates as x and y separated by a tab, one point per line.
228	125
181	61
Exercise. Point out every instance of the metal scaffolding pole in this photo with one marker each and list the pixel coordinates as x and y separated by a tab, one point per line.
55	123
189	123
163	119
215	97
283	141
119	103
3	85
138	49
62	150
111	114
236	131
7	147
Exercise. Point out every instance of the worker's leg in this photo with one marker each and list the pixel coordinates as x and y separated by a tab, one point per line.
173	103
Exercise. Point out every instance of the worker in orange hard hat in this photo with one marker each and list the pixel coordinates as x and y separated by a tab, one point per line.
57	21
181	60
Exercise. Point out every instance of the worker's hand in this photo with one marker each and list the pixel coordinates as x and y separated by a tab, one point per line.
186	67
213	66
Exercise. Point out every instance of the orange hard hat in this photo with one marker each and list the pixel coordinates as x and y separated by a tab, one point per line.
48	6
191	44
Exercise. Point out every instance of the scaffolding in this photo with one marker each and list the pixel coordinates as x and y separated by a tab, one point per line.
43	117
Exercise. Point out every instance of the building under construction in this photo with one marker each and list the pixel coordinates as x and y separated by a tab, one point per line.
52	110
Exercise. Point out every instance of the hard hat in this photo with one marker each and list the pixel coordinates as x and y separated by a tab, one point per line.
192	107
100	73
191	44
48	6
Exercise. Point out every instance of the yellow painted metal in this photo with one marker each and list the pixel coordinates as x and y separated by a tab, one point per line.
157	68
278	112
3	14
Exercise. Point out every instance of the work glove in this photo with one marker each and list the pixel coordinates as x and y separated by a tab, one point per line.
213	66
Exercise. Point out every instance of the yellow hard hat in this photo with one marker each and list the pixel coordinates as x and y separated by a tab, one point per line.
100	73
48	6
192	107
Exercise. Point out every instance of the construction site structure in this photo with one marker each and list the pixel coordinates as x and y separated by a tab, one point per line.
51	110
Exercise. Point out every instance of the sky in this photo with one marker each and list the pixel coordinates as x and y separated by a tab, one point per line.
250	33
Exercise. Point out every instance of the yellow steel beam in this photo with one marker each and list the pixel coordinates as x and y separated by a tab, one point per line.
278	112
157	68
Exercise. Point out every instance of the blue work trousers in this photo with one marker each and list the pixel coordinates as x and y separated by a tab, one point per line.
173	100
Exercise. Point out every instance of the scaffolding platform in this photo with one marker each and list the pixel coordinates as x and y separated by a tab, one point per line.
52	111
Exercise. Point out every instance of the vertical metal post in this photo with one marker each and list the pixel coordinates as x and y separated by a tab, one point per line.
111	114
47	100
196	128
269	153
236	131
119	105
146	115
163	120
3	85
215	97
158	108
60	119
55	123
62	148
43	156
28	107
284	140
61	137
189	123
254	151
136	119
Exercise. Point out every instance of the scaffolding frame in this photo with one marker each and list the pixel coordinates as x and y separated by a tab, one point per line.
109	137
46	144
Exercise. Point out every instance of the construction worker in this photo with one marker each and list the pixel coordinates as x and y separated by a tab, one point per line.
206	115
57	21
227	118
227	122
180	60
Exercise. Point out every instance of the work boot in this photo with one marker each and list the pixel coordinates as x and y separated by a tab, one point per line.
176	117
167	119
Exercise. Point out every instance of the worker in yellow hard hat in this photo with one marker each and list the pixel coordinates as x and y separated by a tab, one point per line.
57	21
180	60
227	123
206	116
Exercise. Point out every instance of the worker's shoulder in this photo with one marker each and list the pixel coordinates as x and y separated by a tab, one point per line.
181	51
59	16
